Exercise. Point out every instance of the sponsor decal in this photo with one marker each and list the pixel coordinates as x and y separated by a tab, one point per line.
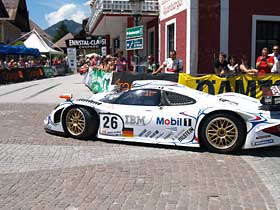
226	100
142	132
184	113
168	135
49	120
90	101
135	120
160	135
172	129
111	133
148	133
186	134
262	142
154	133
172	121
180	133
277	100
127	132
263	137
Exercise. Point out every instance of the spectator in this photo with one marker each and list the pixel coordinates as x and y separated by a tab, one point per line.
103	64
221	65
151	66
276	56
120	62
111	63
233	67
108	64
1	64
264	63
245	67
171	64
11	64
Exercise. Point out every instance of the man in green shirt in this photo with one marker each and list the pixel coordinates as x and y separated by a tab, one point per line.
151	65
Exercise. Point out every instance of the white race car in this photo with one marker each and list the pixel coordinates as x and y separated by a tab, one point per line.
163	112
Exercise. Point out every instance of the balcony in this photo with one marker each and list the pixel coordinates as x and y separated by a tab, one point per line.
100	7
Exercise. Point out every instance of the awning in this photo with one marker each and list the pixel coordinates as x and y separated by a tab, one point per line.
18	50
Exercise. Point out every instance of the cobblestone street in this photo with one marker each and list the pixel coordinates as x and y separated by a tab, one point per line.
42	171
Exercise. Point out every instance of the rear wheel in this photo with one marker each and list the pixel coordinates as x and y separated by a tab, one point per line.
80	123
223	133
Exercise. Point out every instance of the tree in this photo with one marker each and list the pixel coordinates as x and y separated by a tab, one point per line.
61	32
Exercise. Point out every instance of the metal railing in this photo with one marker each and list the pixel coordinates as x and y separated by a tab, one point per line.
119	6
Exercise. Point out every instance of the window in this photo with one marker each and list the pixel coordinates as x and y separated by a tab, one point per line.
147	97
267	35
170	37
151	47
175	99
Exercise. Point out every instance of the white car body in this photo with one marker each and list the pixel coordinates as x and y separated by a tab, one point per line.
171	125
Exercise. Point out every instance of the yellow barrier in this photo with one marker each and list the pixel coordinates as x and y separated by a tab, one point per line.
243	84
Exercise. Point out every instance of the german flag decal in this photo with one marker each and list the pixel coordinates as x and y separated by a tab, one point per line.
128	132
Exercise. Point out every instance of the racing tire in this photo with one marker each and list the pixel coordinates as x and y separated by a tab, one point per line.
80	123
223	133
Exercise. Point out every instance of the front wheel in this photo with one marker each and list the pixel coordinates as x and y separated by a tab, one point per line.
223	133
80	123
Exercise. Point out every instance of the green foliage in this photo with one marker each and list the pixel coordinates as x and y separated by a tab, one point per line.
61	32
18	43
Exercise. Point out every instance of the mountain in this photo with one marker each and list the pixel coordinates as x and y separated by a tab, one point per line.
72	27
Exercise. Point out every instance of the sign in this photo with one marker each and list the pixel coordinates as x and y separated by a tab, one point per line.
244	84
116	43
72	58
134	44
89	42
103	51
169	8
134	32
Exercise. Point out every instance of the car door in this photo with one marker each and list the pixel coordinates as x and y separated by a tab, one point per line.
176	120
132	116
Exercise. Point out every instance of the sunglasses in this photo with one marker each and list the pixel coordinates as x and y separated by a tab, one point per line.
276	49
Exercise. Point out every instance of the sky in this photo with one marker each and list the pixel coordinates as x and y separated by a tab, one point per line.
48	12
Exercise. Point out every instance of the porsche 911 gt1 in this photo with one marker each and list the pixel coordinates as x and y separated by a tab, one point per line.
164	112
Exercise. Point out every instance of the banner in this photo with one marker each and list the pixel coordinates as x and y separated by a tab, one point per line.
72	58
100	81
244	84
89	42
124	79
49	72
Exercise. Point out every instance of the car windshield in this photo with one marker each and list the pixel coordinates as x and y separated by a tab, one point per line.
111	97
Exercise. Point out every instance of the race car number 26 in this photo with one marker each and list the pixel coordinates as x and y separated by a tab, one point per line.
111	124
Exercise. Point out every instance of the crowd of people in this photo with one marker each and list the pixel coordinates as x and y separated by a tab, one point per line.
266	63
109	63
118	63
223	67
28	62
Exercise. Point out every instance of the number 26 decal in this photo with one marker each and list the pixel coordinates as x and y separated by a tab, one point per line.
110	123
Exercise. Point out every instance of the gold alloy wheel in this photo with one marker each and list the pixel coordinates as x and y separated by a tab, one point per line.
75	122
222	133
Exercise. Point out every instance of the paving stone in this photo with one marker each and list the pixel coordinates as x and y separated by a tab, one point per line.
43	171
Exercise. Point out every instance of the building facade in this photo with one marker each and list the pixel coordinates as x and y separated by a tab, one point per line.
112	17
198	30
